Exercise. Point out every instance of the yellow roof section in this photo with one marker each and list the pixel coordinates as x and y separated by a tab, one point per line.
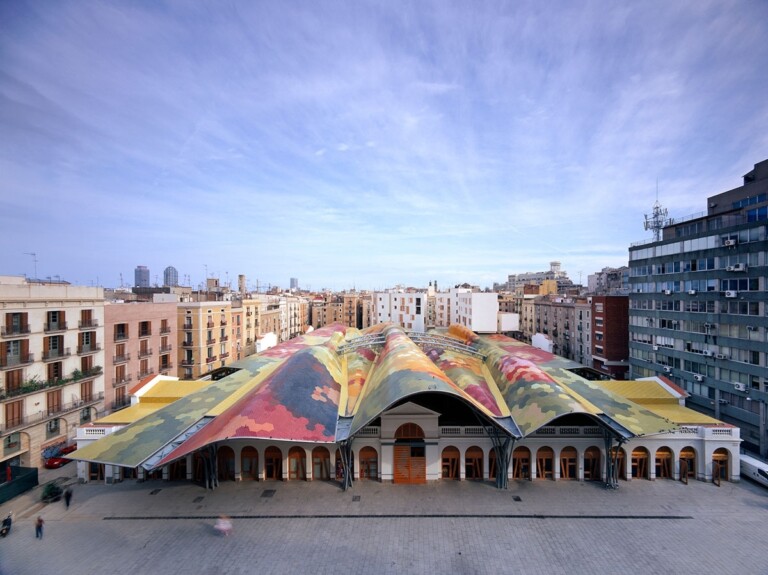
682	415
638	390
132	413
172	389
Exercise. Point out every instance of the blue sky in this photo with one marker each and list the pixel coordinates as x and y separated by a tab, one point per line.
365	143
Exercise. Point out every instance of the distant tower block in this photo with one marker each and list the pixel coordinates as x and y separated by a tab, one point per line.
655	221
141	276
170	277
241	283
554	267
294	284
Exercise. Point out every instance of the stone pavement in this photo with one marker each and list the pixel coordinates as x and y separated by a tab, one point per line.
281	527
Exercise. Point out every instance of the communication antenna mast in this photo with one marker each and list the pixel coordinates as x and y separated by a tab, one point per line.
655	221
34	260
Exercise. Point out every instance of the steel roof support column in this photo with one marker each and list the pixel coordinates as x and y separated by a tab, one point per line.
347	472
611	459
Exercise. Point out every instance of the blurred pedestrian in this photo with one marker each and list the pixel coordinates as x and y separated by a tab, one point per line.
223	525
39	527
67	496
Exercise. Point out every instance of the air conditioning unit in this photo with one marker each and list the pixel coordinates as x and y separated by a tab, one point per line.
739	387
721	356
729	243
667	292
731	293
729	269
667	369
698	377
691	292
739	267
708	352
655	348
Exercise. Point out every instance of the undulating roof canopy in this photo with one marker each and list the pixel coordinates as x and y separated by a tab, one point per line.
325	386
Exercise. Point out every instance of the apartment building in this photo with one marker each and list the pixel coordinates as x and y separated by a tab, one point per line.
140	340
697	307
406	309
51	365
204	341
478	311
610	335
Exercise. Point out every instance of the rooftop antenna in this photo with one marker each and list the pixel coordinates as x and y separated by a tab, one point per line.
34	260
655	221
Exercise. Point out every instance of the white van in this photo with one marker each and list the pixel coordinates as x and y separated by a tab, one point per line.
754	469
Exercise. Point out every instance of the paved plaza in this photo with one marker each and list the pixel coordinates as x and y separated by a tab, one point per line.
450	527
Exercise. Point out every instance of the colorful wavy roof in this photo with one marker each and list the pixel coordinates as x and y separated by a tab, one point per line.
327	385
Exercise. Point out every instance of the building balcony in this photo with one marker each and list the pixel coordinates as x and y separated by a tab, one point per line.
210	359
55	326
224	355
117	381
145	333
121	336
146	352
166	367
165	330
51	412
53	354
247	325
187	363
187	344
223	322
224	338
248	313
88	323
121	358
187	326
210	341
121	403
143	374
86	349
14	330
166	349
10	361
210	324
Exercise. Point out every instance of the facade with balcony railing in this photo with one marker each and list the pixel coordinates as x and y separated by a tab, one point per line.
46	389
203	326
133	332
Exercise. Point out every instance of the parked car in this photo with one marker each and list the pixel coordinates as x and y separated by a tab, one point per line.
60	459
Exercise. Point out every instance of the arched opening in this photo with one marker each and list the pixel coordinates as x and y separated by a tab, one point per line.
249	463
720	465
450	459
273	463
521	463
226	463
592	464
568	463
663	462
297	463
639	463
410	461
620	458
321	463
687	464
369	463
473	463
545	463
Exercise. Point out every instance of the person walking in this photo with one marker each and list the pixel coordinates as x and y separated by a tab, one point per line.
67	496
39	527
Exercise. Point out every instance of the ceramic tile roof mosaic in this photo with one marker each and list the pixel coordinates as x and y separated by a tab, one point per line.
301	390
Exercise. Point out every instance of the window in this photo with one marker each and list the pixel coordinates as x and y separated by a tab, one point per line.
145	328
14	411
53	401
121	331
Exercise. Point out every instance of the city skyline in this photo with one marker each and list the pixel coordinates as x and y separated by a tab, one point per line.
363	145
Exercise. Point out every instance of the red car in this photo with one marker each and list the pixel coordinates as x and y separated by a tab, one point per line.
59	460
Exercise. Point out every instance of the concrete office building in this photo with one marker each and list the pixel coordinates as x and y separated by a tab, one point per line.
698	306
